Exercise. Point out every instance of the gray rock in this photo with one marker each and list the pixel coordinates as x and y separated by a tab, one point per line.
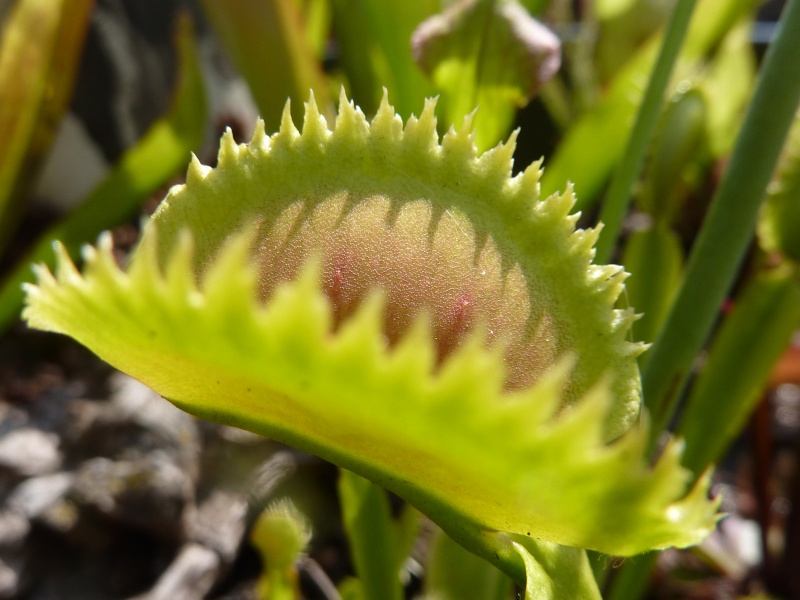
190	576
27	452
35	495
11	418
134	422
150	492
219	522
14	528
11	578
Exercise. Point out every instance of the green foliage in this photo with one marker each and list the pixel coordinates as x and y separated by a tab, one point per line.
486	53
779	226
453	573
681	138
140	172
616	203
35	84
595	143
376	551
729	225
766	314
655	258
256	33
374	38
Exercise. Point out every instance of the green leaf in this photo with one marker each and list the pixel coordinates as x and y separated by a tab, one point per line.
729	224
759	328
655	259
268	45
680	141
479	438
317	15
555	572
727	86
453	573
406	527
486	53
609	9
623	27
374	39
370	530
351	589
535	7
632	578
39	55
143	169
779	222
594	144
615	205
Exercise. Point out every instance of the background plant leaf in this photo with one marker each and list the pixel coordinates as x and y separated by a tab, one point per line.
760	327
373	545
655	260
595	143
679	141
779	223
556	572
453	573
727	86
375	51
160	154
317	19
489	54
39	55
729	225
268	44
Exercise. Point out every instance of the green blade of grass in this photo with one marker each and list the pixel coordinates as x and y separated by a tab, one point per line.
655	261
368	521
729	225
759	328
619	195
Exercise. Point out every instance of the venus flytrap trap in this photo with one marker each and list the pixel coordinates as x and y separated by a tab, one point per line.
281	535
409	311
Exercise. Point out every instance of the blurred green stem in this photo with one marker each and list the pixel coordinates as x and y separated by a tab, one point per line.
619	195
760	327
368	520
631	579
729	224
453	573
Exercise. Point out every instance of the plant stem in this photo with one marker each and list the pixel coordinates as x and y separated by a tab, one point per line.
619	194
368	522
729	224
